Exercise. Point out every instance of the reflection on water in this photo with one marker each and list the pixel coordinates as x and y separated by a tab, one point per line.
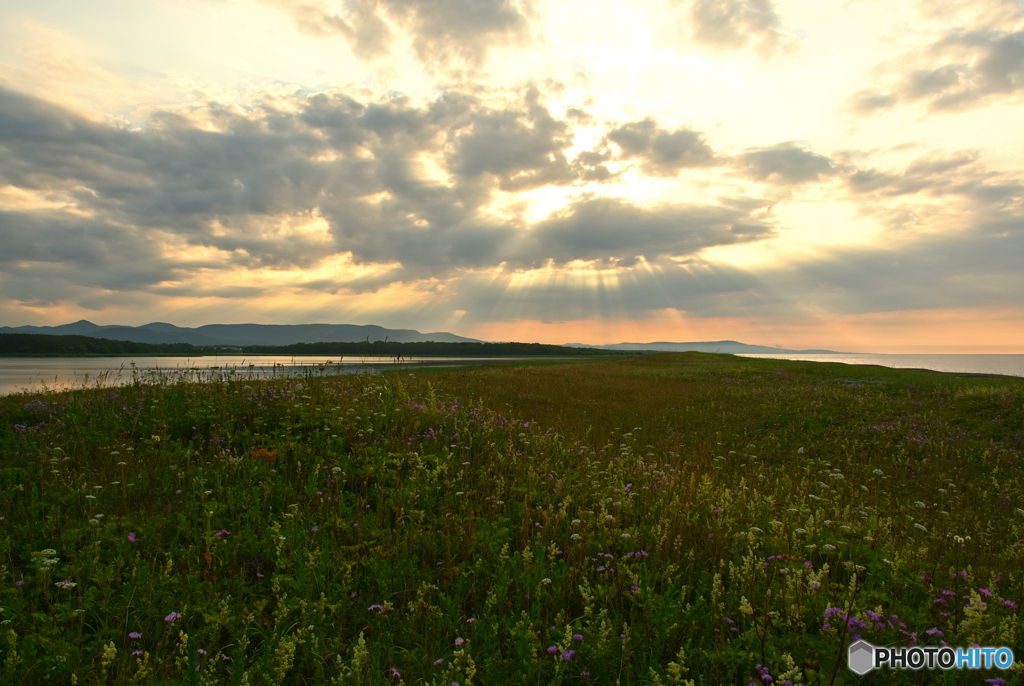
60	373
1010	365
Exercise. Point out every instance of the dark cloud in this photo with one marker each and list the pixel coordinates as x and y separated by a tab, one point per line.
939	174
922	272
738	24
523	149
613	230
785	164
928	271
145	198
353	169
662	152
963	70
444	33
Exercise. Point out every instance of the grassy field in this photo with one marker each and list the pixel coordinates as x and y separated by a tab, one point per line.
661	519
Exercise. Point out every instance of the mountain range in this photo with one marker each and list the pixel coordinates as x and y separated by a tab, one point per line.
241	334
288	334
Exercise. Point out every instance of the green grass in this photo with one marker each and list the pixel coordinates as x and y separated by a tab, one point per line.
646	520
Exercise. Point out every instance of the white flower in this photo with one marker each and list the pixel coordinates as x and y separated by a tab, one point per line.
829	547
921	527
876	472
575	537
800	532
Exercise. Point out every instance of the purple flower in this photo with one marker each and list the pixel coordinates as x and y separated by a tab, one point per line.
470	620
135	635
136	652
567	654
439	660
1008	603
131	537
201	651
934	631
225	658
171	618
314	529
578	637
222	532
375	608
998	681
552	650
459	641
394	673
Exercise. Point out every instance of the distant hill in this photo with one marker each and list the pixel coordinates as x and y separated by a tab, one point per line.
240	334
243	335
32	344
731	347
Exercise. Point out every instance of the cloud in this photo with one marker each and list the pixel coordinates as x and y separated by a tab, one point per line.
962	70
286	187
522	148
443	33
941	173
662	152
729	25
787	164
614	230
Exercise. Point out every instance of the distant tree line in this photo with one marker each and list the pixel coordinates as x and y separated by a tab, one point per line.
43	344
427	348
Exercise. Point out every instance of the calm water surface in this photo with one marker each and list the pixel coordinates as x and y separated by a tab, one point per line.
19	374
1010	365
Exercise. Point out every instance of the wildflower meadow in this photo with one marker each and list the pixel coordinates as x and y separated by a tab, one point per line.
659	519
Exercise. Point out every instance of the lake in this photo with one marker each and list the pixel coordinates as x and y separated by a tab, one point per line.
1009	365
60	373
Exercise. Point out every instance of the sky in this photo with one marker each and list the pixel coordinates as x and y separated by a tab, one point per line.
843	175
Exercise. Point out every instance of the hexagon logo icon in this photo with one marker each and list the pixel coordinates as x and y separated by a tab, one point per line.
861	657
